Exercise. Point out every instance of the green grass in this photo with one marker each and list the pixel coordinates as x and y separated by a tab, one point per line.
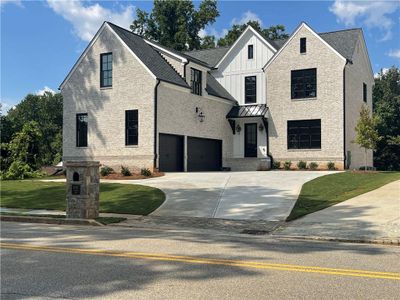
328	190
114	197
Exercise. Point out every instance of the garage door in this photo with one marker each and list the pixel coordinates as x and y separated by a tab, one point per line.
204	154
171	153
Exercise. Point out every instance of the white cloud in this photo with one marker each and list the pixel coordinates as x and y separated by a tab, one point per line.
394	53
45	89
373	14
383	71
213	31
246	17
87	19
5	107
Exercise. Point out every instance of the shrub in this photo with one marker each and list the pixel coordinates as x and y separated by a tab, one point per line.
276	164
145	172
20	170
104	171
287	165
302	165
125	171
313	165
331	165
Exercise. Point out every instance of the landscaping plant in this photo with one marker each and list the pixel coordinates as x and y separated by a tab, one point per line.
145	172
125	171
331	166
276	164
313	165
104	171
302	165
287	165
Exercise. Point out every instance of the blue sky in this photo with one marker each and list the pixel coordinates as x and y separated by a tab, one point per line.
41	40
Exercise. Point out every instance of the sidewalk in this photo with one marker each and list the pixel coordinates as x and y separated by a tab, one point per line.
369	217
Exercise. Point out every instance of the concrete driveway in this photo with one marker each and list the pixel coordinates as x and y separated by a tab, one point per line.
266	196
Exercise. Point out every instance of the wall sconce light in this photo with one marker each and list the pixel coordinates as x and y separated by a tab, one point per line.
261	127
238	128
200	114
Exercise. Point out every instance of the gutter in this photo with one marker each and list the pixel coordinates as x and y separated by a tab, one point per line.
155	123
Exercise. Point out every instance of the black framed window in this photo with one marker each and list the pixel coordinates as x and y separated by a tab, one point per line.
106	69
81	130
195	81
364	92
304	83
303	45
250	50
131	127
250	89
304	134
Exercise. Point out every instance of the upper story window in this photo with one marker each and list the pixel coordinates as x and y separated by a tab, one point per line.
131	127
303	45
250	51
195	81
364	92
81	130
106	70
304	134
304	83
250	89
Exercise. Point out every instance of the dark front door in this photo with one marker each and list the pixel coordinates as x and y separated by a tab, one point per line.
250	140
171	153
204	154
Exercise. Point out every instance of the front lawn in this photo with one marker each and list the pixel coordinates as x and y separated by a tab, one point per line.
328	190
114	197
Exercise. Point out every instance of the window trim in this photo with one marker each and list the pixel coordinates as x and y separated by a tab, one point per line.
77	131
255	90
292	85
102	85
304	134
365	95
126	127
303	45
251	46
196	89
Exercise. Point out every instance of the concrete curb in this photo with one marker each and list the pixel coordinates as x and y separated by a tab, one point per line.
47	220
381	241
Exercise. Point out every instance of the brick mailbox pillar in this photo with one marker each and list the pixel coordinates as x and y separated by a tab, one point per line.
83	181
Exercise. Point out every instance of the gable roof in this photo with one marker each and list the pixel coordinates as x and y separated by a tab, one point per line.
149	56
214	88
343	41
209	56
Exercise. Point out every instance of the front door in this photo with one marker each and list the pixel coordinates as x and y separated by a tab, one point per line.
250	140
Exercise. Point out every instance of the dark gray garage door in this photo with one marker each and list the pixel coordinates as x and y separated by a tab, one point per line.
204	154
171	153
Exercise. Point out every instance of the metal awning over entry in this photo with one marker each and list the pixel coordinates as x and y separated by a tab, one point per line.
246	111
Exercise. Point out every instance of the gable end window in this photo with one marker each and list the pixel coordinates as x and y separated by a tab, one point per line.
106	69
250	89
81	130
304	134
303	45
304	83
364	92
131	127
250	50
195	81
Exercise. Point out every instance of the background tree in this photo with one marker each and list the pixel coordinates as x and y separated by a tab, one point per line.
367	135
176	24
208	42
272	33
386	102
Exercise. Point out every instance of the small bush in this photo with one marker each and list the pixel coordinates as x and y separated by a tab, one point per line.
276	164
145	172
302	165
331	166
287	165
125	171
104	171
20	170
313	165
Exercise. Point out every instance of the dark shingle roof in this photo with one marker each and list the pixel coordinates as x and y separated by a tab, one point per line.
150	57
209	56
216	89
343	41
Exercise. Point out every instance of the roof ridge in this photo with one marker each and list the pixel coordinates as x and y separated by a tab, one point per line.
357	28
199	50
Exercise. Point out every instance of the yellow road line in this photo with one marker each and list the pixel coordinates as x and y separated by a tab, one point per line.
209	261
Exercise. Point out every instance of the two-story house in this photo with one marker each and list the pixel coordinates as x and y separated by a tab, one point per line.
130	101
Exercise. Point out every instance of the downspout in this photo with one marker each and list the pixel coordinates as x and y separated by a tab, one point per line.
344	116
155	123
266	125
184	70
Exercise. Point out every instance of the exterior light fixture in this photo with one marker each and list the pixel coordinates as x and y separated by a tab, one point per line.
261	127
200	114
238	128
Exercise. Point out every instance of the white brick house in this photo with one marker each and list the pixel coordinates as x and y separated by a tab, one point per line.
130	101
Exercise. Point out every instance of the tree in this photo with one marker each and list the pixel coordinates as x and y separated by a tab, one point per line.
208	42
272	33
176	24
367	135
386	101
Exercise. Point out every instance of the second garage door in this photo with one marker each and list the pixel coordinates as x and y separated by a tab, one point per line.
204	154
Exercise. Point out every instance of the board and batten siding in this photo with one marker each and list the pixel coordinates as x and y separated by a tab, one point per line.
236	66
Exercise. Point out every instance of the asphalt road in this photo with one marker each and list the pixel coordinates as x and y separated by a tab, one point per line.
46	262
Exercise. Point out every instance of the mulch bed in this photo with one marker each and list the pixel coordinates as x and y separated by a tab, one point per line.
119	176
